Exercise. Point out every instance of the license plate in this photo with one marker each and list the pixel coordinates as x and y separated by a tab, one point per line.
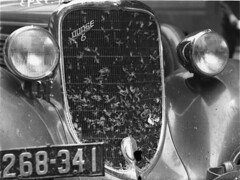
52	161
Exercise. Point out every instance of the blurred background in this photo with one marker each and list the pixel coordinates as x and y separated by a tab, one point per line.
220	16
189	15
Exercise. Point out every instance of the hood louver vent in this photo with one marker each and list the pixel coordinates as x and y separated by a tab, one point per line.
2	41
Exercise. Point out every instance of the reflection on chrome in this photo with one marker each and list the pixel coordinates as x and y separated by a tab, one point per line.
210	53
220	125
209	63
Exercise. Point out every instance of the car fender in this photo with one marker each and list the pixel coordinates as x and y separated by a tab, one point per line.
203	117
24	120
171	36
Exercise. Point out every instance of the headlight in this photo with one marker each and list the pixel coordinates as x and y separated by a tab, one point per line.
31	53
205	53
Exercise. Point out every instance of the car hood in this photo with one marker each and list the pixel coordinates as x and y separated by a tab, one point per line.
15	12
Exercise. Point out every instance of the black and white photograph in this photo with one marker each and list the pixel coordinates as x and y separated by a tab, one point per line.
119	90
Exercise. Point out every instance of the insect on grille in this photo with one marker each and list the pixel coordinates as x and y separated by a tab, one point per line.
113	79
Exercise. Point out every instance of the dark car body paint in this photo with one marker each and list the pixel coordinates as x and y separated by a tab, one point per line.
26	121
14	17
203	115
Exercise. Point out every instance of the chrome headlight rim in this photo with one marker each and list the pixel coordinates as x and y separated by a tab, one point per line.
186	50
9	63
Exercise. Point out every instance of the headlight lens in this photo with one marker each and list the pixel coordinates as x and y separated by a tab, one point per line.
31	53
205	53
210	53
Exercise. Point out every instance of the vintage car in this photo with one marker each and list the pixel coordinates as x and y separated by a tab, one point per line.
97	89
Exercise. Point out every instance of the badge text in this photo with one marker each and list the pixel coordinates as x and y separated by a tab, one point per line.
82	30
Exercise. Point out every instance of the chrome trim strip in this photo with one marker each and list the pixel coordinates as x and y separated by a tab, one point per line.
158	153
134	172
236	159
13	23
68	117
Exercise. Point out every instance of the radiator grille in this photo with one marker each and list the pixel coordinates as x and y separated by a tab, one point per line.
112	74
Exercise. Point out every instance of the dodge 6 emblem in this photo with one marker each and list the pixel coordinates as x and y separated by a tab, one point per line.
82	30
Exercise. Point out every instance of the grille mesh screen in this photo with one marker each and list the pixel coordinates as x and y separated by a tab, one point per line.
112	74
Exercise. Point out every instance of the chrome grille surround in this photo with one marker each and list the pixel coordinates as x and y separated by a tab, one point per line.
60	16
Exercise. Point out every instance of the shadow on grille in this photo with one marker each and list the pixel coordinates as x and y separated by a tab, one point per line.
113	80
